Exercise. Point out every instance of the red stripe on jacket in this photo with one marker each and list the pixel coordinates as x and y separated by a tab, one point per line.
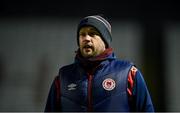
131	77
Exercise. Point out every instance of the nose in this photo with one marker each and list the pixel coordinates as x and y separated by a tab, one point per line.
87	37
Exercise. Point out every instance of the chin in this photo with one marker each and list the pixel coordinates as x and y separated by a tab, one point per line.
86	55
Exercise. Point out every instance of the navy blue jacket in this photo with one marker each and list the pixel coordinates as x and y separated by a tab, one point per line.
105	90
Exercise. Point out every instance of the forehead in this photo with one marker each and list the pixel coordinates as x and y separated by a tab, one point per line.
88	29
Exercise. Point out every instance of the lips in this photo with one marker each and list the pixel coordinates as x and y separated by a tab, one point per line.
87	47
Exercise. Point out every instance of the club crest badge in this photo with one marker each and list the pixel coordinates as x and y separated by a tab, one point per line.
108	84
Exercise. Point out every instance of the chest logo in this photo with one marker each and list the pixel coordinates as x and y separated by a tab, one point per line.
108	84
72	86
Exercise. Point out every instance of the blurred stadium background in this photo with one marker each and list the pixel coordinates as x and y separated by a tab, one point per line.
38	37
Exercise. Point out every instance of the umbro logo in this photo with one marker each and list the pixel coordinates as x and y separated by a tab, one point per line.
72	86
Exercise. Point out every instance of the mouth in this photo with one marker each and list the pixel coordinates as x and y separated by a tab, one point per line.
87	50
88	47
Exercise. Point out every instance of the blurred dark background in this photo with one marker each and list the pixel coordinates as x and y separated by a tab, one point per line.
38	37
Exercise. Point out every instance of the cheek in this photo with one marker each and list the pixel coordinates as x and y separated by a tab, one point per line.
100	44
80	41
80	44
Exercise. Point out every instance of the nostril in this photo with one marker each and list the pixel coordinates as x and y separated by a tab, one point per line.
86	41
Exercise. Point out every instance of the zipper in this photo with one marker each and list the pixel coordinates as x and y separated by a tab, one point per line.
90	108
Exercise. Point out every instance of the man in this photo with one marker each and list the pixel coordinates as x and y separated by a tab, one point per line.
97	80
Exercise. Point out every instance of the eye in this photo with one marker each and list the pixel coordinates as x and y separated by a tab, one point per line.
82	34
92	34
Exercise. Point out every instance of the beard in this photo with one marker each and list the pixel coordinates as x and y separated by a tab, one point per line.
87	50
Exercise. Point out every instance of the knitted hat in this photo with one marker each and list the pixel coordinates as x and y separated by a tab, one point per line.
101	24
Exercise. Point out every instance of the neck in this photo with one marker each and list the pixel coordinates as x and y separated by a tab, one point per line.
91	64
102	56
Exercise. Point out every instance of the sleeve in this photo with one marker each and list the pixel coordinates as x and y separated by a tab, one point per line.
139	97
53	100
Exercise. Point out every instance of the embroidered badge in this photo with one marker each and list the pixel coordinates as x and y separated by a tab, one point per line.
108	84
72	86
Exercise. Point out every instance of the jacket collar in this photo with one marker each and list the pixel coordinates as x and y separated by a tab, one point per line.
91	64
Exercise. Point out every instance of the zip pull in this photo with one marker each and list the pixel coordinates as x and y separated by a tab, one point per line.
90	108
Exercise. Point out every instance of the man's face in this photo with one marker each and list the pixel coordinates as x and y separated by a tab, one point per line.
90	42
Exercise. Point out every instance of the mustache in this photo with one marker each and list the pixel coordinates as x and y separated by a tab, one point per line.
88	46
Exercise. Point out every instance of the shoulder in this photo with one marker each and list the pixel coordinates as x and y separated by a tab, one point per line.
119	66
63	69
122	63
136	76
134	73
67	67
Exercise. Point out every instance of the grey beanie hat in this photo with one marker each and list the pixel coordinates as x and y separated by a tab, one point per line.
101	24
